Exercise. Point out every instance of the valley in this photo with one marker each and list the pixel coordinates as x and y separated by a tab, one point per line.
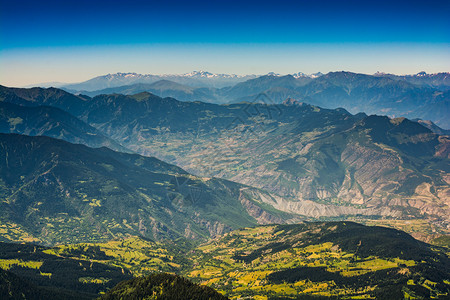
302	159
252	199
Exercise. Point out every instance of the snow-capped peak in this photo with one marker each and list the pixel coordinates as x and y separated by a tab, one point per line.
199	74
122	75
304	75
273	74
205	74
299	75
315	75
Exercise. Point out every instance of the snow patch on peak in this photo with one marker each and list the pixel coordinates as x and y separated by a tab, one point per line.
299	75
315	75
304	75
199	74
205	74
273	74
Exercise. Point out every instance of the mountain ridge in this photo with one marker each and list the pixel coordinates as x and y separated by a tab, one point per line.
415	96
53	122
419	78
57	192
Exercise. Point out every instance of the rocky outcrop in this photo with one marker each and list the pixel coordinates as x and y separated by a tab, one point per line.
261	216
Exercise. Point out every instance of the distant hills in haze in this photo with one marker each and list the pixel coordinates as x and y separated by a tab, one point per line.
211	80
424	96
436	80
194	79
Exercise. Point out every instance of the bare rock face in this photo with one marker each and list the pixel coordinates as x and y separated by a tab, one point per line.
443	149
261	216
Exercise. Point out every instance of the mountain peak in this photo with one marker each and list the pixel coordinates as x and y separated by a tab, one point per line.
273	74
304	75
121	75
207	75
143	96
199	74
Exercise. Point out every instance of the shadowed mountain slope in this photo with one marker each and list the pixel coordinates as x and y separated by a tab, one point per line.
52	122
166	286
54	192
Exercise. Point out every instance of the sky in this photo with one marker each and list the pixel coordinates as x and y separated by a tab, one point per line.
72	41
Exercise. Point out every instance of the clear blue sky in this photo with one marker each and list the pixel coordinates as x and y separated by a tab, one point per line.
70	41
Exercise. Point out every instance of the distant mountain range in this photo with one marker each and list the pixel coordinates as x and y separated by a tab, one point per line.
193	79
424	96
437	80
211	80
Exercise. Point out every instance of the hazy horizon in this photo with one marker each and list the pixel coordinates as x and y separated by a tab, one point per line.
73	41
60	83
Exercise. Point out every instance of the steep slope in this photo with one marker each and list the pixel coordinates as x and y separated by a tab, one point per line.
164	286
33	272
13	287
438	111
433	127
273	95
53	191
52	122
49	97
